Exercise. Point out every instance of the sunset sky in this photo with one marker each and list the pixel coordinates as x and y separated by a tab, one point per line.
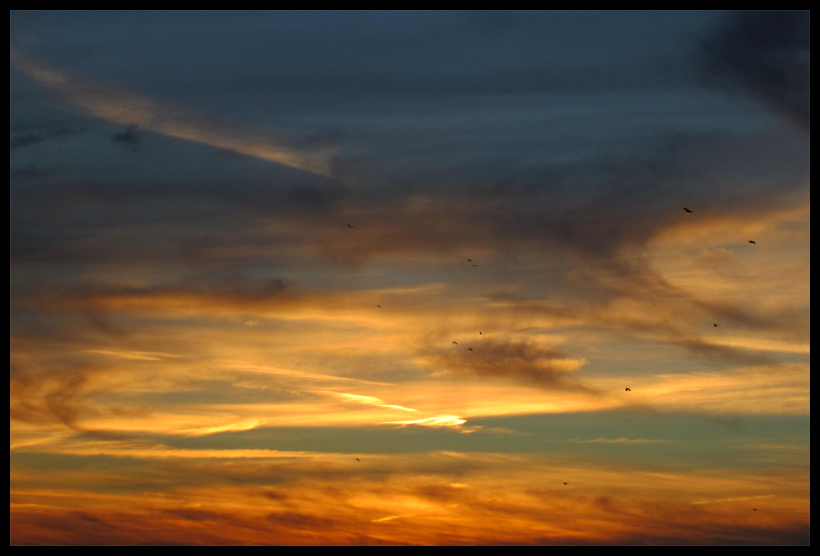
384	278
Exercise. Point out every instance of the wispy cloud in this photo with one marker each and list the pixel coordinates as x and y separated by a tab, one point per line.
621	440
450	421
364	400
138	355
124	107
735	499
22	140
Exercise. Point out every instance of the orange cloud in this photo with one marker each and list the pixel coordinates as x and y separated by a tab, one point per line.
510	499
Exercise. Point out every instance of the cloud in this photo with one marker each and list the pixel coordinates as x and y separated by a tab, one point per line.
129	139
621	440
364	400
765	390
511	499
768	54
255	298
440	421
58	397
118	105
298	521
516	361
22	140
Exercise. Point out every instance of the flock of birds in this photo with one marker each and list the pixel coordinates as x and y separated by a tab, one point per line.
471	349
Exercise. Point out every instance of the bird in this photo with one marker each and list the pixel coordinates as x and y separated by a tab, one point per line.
357	459
754	509
715	325
473	265
469	349
628	389
752	242
480	332
349	226
379	306
687	210
455	343
469	260
565	484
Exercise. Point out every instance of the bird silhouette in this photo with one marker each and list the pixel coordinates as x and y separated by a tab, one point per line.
480	332
349	226
469	260
752	242
379	306
357	459
628	389
565	484
469	349
715	325
754	509
455	343
687	210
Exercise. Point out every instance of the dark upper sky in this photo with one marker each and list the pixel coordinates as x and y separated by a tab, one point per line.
559	111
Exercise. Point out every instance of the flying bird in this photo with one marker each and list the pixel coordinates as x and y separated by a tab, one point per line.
455	343
357	459
469	349
480	332
754	509
628	389
473	265
349	226
715	325
750	241
469	260
379	306
687	210
565	484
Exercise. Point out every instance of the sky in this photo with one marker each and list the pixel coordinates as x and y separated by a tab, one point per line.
409	278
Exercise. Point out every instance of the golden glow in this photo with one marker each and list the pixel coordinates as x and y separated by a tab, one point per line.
514	499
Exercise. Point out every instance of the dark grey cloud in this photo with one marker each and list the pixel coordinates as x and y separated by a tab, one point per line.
768	54
22	140
520	362
130	139
198	223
